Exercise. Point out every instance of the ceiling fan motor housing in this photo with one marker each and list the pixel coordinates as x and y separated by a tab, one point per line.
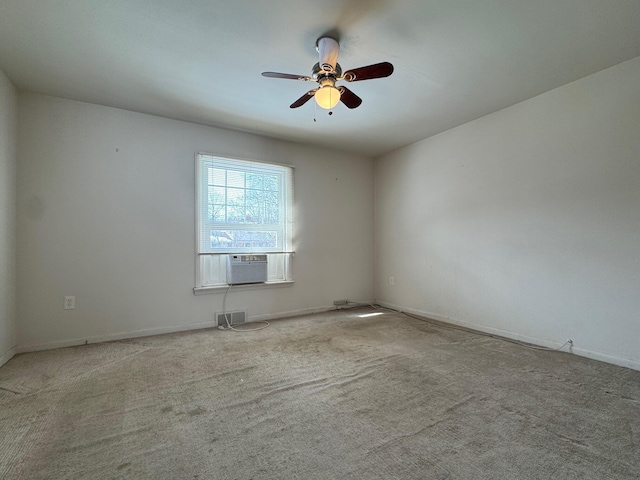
328	50
319	72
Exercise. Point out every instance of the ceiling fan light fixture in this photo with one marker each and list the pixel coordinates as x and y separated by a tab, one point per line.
327	96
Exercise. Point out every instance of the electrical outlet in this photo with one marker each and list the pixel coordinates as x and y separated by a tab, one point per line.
69	303
340	302
392	281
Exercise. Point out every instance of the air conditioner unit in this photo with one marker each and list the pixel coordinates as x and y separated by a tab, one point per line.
246	269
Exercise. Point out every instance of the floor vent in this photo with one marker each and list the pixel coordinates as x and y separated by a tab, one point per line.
234	318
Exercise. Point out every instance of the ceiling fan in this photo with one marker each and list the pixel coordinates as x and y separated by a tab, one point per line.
327	72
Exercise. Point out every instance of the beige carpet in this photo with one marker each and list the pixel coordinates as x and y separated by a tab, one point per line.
328	396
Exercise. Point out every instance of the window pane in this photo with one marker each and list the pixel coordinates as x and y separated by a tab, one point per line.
217	176
272	208
262	206
243	239
220	239
255	207
217	213
255	180
235	178
271	183
235	196
235	214
217	195
264	239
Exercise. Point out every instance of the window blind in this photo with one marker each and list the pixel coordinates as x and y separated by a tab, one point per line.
243	206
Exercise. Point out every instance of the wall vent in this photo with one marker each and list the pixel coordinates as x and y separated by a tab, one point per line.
235	318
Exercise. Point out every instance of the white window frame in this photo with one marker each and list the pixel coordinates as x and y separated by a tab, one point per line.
211	261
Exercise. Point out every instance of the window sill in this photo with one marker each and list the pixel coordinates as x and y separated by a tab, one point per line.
249	286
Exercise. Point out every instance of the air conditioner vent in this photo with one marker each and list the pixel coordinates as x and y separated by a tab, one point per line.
246	269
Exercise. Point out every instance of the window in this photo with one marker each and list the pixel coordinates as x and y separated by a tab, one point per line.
242	207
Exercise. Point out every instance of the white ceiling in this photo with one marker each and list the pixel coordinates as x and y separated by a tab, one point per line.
200	60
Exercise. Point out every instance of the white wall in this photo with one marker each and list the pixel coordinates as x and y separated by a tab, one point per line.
8	156
525	222
106	213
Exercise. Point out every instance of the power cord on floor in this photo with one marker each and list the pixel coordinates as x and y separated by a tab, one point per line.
469	330
226	318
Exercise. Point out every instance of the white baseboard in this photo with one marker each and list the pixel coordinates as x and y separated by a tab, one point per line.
290	313
304	311
147	332
603	357
8	355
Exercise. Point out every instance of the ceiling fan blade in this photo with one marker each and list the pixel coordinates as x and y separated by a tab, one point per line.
378	70
288	76
303	99
350	99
